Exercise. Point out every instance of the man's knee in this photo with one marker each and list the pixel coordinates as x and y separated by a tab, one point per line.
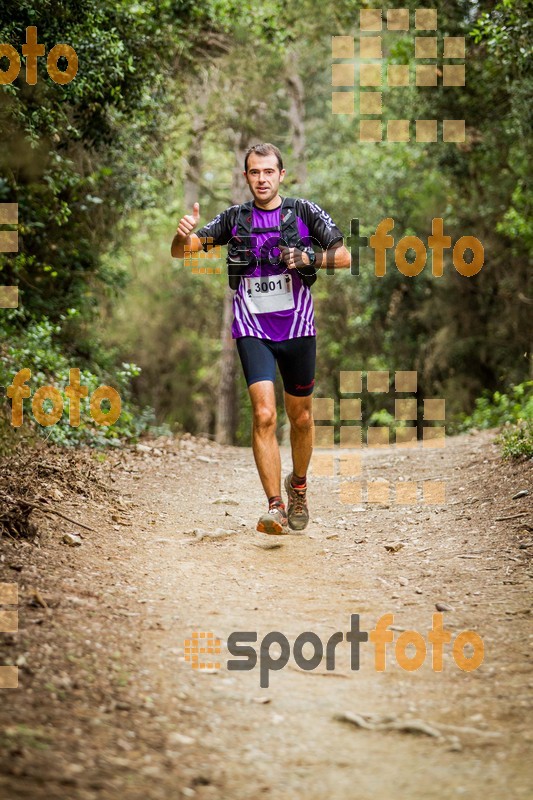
264	417
301	418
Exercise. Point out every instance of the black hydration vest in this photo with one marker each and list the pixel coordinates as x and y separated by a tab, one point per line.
241	259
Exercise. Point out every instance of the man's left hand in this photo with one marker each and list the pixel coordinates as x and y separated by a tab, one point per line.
294	258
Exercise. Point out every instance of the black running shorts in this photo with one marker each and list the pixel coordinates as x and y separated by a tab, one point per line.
296	360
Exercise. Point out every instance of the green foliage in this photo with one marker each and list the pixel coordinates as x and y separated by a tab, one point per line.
517	440
78	159
169	322
37	349
383	418
499	408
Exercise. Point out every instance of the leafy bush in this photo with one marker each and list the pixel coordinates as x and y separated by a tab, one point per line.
517	440
514	411
497	409
36	348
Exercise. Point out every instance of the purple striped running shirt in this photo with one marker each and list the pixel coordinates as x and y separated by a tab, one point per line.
273	302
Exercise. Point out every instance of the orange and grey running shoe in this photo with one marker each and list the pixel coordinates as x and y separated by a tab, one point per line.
274	520
297	511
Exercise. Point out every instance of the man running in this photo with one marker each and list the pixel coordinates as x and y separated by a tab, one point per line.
273	316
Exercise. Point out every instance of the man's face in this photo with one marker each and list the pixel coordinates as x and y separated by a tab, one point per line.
263	177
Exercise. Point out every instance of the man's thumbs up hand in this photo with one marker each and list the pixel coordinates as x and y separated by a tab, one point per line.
188	223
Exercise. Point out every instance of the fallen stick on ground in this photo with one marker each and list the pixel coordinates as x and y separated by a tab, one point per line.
409	726
371	722
443	726
45	508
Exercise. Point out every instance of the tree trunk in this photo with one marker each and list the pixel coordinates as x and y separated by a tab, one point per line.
193	160
295	90
226	416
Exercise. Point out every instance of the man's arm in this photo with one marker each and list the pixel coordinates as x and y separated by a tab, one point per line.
324	233
216	232
337	257
184	238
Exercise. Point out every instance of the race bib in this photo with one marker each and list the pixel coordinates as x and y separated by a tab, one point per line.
269	293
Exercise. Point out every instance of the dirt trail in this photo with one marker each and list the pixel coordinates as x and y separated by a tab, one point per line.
108	707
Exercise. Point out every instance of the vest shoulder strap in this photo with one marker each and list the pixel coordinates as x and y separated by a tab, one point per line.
288	217
244	218
288	214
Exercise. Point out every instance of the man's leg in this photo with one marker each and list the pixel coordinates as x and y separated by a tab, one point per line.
296	360
300	414
259	366
267	457
264	443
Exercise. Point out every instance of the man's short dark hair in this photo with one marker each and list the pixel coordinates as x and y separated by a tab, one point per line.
265	149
